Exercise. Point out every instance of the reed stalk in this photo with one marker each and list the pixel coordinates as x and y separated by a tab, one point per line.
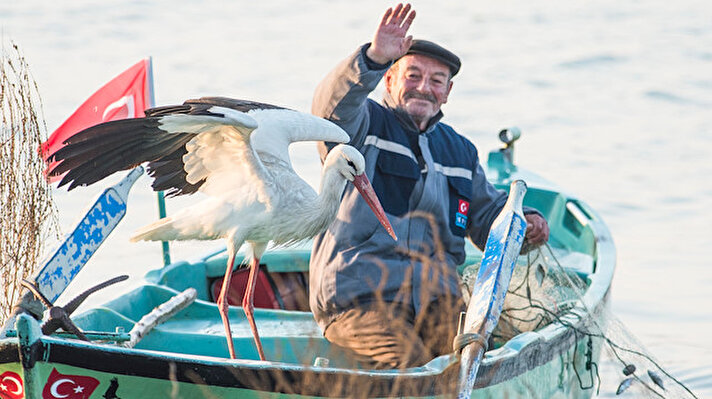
28	217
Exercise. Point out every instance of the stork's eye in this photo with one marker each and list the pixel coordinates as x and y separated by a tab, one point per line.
351	164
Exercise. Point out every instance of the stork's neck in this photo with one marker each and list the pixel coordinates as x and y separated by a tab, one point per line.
313	217
330	190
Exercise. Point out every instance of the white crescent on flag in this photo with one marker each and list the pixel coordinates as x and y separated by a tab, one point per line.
124	97
14	380
116	106
61	386
55	386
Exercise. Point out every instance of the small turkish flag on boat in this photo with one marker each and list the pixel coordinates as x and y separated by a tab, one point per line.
11	386
125	96
61	386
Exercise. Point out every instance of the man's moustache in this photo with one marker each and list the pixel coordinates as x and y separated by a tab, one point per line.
421	96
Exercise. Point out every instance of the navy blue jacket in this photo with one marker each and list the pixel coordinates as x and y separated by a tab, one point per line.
431	186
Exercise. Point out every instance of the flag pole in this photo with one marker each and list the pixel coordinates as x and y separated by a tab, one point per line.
159	194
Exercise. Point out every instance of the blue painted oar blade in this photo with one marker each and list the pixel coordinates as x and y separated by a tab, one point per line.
493	278
501	251
91	231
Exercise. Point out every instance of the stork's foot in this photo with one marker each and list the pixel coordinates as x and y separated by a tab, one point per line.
248	306
223	307
251	318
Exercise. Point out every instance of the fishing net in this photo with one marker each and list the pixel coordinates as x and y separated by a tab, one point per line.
536	294
547	287
27	213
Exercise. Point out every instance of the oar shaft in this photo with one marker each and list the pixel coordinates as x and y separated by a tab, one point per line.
501	251
474	353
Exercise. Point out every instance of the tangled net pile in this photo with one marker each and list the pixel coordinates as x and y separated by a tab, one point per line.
547	289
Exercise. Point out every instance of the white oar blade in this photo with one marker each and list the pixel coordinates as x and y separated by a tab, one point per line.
91	231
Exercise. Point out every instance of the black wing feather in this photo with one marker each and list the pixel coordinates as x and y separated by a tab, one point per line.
125	156
101	150
169	174
240	105
168	110
97	141
104	149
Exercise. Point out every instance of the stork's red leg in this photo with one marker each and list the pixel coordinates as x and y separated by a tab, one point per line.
248	304
223	305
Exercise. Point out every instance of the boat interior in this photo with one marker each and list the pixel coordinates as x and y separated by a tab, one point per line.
287	329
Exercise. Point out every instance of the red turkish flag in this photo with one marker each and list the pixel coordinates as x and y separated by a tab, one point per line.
125	96
463	207
11	386
60	386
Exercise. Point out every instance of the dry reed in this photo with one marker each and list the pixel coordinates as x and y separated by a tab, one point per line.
27	212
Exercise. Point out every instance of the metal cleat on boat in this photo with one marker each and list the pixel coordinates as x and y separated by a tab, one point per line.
508	136
502	160
59	315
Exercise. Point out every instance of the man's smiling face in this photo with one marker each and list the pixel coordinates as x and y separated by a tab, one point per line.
420	85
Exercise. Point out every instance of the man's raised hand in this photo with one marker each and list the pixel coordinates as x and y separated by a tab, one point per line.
390	41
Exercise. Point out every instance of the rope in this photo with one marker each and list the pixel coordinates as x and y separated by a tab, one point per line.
462	340
601	334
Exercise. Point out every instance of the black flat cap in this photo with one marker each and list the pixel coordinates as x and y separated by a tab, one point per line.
432	50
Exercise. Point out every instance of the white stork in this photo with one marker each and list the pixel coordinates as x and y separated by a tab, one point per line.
236	152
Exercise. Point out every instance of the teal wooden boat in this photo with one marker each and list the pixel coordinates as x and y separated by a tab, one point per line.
185	356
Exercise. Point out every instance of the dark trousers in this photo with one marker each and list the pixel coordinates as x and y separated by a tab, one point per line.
390	335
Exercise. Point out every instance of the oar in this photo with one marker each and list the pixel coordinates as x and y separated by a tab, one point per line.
501	251
91	231
76	249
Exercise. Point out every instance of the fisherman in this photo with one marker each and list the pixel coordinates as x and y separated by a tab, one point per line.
396	304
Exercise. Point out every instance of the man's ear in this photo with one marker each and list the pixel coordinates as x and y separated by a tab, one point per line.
388	79
391	76
449	89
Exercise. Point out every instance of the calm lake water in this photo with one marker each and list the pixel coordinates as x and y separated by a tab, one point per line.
613	99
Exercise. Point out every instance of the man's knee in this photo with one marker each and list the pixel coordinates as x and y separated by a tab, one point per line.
378	340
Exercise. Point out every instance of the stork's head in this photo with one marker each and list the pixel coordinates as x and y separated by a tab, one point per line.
350	162
352	166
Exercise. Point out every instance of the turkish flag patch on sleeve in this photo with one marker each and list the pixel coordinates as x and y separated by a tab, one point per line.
463	207
61	386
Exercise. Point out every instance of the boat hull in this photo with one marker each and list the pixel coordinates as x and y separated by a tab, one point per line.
541	369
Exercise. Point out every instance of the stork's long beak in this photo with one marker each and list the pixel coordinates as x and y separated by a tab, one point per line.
363	185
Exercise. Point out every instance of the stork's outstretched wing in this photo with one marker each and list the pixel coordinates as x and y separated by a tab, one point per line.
162	139
204	144
279	127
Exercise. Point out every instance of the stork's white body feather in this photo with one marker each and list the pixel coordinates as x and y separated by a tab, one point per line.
254	193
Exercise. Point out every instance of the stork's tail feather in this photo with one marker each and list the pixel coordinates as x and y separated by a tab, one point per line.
160	230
